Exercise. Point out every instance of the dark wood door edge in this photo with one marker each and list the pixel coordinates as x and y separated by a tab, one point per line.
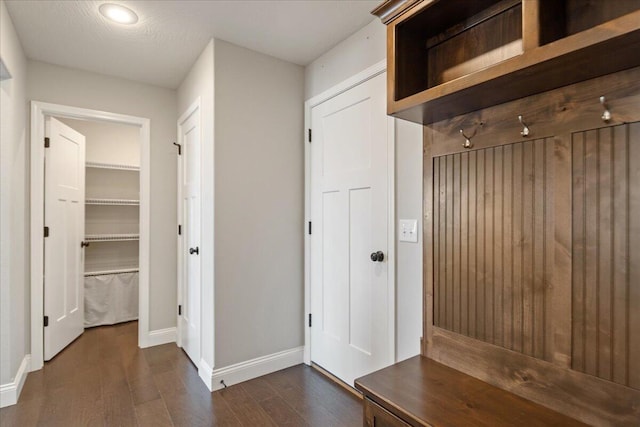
337	380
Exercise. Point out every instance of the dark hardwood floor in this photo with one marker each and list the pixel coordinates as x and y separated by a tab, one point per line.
104	379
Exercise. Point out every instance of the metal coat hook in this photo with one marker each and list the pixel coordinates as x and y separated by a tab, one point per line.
525	131
179	148
606	115
467	139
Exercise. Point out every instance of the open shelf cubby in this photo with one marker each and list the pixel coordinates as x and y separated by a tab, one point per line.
451	57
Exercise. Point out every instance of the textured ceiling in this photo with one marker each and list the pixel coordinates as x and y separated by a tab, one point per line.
170	35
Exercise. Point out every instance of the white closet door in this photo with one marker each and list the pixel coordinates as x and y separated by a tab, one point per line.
63	254
351	334
189	133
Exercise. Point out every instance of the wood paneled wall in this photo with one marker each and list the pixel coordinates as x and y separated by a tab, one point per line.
606	253
493	243
532	248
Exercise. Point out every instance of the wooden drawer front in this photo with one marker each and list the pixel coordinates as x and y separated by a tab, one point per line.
377	416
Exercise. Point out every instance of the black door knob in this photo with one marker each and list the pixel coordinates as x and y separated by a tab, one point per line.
195	250
377	256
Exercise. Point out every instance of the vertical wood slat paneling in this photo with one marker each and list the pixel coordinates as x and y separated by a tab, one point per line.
578	251
480	250
489	285
449	243
490	248
528	174
516	247
456	297
590	282
633	262
464	248
619	285
436	240
507	251
606	270
471	244
538	276
497	245
440	225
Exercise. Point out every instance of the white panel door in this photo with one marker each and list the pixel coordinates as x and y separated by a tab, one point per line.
189	319
351	334
63	254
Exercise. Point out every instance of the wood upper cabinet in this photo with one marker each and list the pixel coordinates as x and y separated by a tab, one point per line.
451	57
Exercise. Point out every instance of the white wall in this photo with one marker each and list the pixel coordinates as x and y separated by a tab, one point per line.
199	83
259	211
409	255
109	142
59	85
14	209
356	53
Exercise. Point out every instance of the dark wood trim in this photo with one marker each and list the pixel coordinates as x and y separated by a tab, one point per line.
603	49
391	9
530	24
336	380
575	107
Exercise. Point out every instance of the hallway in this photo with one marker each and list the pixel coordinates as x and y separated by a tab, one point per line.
104	379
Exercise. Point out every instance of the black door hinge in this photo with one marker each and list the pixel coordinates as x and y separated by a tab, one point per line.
309	227
309	319
46	321
309	135
180	310
179	230
46	232
47	142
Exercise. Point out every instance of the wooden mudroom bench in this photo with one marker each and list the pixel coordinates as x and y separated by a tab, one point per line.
423	392
531	163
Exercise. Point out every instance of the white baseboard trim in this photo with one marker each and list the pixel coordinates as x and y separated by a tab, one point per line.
254	368
10	392
160	336
206	374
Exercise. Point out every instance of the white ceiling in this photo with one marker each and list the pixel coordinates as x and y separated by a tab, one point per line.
170	35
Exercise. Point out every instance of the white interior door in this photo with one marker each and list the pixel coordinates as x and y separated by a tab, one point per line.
189	319
63	254
351	333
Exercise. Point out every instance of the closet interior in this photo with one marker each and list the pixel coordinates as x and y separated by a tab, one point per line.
112	221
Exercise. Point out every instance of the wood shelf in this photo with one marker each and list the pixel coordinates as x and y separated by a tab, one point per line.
447	58
114	166
113	271
112	202
111	237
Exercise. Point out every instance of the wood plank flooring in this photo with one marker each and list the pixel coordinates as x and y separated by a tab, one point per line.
104	379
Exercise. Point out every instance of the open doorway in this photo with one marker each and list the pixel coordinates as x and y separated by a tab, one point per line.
114	245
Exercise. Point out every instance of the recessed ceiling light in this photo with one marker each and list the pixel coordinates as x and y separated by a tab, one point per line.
118	13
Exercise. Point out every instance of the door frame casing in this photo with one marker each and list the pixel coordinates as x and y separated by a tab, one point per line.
332	92
40	110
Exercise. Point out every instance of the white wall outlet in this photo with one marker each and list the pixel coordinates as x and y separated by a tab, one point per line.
408	229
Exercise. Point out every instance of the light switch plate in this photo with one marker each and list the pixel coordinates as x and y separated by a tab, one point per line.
408	230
